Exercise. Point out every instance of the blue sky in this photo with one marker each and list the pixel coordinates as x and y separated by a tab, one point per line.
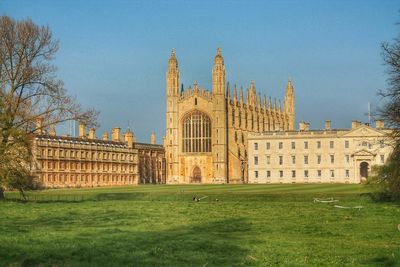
113	54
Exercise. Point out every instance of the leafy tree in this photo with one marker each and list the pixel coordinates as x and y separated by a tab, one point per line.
29	91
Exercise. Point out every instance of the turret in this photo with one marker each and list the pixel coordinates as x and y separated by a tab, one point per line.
218	74
173	75
234	95
289	104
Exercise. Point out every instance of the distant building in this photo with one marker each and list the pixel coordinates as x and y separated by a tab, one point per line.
206	131
85	161
317	156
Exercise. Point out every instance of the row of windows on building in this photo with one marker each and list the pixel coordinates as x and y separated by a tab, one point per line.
67	153
319	144
306	173
306	159
65	178
52	165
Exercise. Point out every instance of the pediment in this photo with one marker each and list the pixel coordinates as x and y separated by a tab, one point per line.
364	131
364	153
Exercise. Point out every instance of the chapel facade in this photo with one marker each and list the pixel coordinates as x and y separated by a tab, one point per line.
206	131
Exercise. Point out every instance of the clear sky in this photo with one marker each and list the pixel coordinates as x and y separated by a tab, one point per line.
114	54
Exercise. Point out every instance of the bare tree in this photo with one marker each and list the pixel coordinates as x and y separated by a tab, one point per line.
29	91
388	176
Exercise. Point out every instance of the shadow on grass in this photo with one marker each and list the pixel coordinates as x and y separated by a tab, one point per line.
219	243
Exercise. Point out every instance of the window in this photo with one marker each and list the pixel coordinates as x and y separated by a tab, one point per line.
347	158
346	144
382	158
306	173
280	160
233	117
293	174
347	173
318	159
381	143
256	174
332	173
268	159
319	173
293	145
305	159
331	144
332	158
255	160
268	174
318	144
255	146
196	134
280	174
268	145
280	145
305	145
293	159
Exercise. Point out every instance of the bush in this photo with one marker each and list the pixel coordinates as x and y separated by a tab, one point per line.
386	179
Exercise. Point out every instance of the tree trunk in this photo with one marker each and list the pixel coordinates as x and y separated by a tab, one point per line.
2	196
21	191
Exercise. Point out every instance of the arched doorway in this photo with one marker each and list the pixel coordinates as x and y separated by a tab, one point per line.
196	178
364	170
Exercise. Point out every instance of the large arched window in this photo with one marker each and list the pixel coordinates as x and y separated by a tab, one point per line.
196	133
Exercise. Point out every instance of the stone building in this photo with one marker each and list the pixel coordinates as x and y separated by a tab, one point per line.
318	156
86	161
206	131
151	162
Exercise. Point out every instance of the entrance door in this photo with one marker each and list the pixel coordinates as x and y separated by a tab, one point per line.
364	170
196	178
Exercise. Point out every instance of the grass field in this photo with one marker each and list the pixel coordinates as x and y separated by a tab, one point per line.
249	225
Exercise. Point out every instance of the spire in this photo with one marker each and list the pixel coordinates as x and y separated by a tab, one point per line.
269	104
218	74
241	95
173	62
259	102
247	97
279	106
274	104
234	94
228	91
289	87
289	104
265	103
172	76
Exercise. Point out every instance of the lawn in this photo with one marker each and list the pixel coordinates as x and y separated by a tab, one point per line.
249	225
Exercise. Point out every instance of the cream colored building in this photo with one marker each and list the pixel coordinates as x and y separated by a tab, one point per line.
317	156
86	161
206	131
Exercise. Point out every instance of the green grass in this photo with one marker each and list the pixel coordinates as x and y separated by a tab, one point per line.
250	225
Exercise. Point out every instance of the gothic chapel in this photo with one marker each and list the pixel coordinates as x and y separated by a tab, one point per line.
206	132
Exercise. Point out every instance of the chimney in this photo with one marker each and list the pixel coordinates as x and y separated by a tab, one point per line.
379	124
82	130
92	133
327	125
128	136
52	131
355	124
39	126
105	136
152	138
116	134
